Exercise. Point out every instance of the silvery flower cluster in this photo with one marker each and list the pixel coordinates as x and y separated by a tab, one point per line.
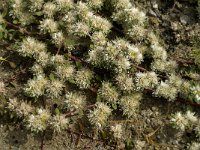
79	49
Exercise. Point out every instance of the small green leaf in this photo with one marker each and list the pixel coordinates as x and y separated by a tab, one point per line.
79	65
12	65
39	13
15	21
129	144
3	99
114	106
14	84
98	98
11	116
2	59
80	113
57	111
51	76
1	35
103	135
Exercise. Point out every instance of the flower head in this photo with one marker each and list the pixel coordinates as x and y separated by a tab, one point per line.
99	115
59	122
75	101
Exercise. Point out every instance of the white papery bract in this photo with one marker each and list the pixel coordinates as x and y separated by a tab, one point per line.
179	120
166	90
65	72
59	123
75	101
195	90
36	5
124	82
38	122
36	86
83	78
108	93
48	25
95	4
21	108
98	117
146	80
49	9
31	47
187	121
193	146
130	104
42	58
117	131
55	88
58	38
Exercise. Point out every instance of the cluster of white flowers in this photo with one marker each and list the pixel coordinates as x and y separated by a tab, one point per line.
37	69
195	90
58	60
135	54
75	101
36	5
188	122
185	121
117	131
19	11
17	6
193	146
31	47
64	4
95	55
147	80
55	88
65	72
98	117
83	78
69	18
38	122
159	54
80	29
185	88
21	108
166	90
139	145
175	80
58	38
130	104
124	82
132	19
96	23
95	4
121	4
163	66
80	25
48	25
116	54
108	93
99	38
49	9
36	86
59	122
158	51
170	88
42	58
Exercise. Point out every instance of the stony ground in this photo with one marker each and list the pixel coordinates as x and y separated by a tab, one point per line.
178	24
